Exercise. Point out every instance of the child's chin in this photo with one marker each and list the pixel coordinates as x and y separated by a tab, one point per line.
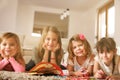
78	55
105	62
49	49
7	54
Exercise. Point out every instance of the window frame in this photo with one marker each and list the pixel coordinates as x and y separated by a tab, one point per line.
105	8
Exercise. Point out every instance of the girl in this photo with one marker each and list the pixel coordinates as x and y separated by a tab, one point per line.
80	59
49	49
10	53
107	63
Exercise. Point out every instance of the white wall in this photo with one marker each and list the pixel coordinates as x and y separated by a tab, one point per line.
79	22
25	18
83	22
8	11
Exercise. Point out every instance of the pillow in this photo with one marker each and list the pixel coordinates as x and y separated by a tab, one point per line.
45	68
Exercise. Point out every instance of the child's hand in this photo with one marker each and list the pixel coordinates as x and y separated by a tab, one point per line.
83	69
111	78
83	72
56	48
44	46
99	74
4	55
78	73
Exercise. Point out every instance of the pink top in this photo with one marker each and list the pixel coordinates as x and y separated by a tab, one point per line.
8	67
11	65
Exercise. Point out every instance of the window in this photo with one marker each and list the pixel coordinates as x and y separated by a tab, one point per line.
106	20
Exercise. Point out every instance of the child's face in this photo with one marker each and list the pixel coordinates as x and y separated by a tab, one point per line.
106	56
78	48
8	47
51	40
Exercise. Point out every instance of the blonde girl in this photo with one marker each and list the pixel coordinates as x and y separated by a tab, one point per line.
10	53
107	62
50	47
80	59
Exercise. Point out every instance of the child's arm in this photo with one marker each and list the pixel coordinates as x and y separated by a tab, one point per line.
17	66
96	65
3	63
46	54
97	72
91	65
53	57
90	69
100	74
115	77
83	72
70	68
119	65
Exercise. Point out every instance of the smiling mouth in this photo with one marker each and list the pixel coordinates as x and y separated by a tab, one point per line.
105	59
79	53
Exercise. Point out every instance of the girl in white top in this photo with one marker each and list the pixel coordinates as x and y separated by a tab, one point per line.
80	59
107	63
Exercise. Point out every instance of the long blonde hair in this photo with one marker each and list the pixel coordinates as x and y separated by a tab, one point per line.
8	35
42	39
